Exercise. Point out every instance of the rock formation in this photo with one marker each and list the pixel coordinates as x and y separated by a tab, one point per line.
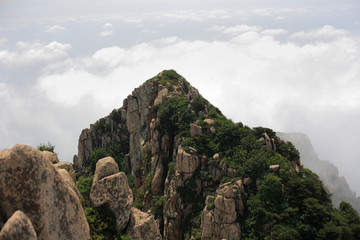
68	167
142	226
18	226
220	215
111	188
29	182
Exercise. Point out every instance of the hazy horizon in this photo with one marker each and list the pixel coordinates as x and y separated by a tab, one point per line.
288	65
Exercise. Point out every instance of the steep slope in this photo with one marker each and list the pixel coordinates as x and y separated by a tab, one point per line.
328	173
204	177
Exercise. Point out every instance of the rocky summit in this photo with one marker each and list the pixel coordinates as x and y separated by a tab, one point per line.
169	165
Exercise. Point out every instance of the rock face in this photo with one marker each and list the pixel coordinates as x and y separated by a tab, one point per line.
68	167
218	220
70	182
114	191
187	163
18	226
142	226
51	156
129	125
29	182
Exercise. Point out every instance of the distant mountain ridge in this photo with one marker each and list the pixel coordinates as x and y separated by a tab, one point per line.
337	185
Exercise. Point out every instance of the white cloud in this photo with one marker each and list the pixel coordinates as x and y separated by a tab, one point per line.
106	33
34	52
274	32
55	28
107	30
107	26
254	59
241	29
324	33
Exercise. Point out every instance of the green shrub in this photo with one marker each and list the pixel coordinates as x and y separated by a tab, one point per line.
157	205
175	116
199	104
84	185
46	147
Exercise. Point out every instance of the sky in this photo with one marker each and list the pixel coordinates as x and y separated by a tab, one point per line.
292	66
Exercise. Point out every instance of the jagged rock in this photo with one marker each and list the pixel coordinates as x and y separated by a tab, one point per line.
186	162
105	167
269	143
274	168
70	182
114	191
85	148
136	120
218	220
142	226
212	129
51	156
195	130
29	182
68	167
18	226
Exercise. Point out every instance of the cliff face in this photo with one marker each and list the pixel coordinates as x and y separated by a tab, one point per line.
200	175
129	126
328	173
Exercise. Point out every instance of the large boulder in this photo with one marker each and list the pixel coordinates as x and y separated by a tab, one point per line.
105	167
187	162
18	226
114	191
142	226
195	130
29	182
68	167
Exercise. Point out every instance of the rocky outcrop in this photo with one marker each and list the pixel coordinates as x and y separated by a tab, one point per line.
113	191
195	130
219	218
129	125
68	167
274	168
269	143
18	226
187	163
105	167
142	226
29	182
106	131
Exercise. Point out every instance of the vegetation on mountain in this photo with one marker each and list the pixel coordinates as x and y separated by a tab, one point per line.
288	203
